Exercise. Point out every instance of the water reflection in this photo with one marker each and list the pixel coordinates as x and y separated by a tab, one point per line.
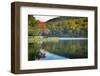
65	48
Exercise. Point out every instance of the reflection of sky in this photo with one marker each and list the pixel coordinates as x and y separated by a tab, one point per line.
44	18
50	56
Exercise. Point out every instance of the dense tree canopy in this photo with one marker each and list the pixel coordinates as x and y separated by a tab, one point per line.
68	27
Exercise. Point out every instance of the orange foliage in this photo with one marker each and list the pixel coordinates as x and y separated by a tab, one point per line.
42	25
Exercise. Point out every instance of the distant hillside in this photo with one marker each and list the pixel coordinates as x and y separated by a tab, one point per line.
63	26
62	18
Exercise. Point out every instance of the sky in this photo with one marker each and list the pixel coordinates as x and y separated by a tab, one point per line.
44	18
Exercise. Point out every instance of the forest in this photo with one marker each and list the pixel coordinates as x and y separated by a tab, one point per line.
59	27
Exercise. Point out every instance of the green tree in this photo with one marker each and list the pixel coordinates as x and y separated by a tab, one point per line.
33	26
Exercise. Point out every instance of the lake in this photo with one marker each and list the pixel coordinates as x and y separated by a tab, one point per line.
74	48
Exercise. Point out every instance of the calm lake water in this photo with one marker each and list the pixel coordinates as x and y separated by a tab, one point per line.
64	48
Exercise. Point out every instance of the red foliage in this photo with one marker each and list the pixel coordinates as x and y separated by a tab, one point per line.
42	25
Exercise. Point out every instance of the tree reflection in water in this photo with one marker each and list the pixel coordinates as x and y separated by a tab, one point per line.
72	49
